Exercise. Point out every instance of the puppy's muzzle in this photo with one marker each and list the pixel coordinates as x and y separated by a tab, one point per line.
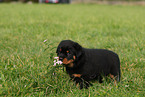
60	58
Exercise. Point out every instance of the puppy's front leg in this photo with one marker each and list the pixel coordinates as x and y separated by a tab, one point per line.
78	79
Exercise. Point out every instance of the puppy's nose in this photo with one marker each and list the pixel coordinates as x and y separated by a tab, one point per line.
60	58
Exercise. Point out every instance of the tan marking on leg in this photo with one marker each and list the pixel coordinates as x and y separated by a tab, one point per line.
77	84
115	83
112	76
77	75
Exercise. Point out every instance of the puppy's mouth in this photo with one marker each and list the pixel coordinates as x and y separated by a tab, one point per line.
66	61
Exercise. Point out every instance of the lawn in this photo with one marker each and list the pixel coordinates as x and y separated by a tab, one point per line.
26	61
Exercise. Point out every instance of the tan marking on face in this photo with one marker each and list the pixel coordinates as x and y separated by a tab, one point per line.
77	75
65	61
74	57
71	65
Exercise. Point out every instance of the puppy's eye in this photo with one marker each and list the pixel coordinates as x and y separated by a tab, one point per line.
68	53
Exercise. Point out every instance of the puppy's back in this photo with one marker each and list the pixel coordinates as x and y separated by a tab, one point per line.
103	60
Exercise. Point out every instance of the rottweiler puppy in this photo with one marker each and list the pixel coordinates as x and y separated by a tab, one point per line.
84	65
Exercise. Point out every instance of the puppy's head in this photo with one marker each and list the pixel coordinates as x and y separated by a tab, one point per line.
68	52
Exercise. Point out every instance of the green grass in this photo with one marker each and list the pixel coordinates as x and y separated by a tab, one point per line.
26	62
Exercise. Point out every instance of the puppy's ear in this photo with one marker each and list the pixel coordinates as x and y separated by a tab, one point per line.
78	49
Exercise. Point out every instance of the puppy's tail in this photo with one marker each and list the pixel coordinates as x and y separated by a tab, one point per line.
116	68
119	71
118	76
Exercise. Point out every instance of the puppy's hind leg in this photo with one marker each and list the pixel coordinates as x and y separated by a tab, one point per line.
115	73
100	79
115	78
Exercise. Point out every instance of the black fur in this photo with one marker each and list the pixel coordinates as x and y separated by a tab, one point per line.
91	64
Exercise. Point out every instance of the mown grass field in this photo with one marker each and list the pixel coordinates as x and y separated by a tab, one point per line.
26	62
